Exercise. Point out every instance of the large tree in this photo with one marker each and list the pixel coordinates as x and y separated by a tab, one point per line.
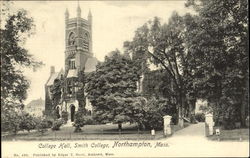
164	45
112	89
219	41
14	57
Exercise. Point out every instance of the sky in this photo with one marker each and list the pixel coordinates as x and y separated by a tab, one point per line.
113	23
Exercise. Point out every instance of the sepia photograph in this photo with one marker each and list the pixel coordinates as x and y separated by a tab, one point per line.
132	78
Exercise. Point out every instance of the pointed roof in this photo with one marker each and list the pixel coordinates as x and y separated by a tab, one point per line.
90	64
54	76
90	14
78	9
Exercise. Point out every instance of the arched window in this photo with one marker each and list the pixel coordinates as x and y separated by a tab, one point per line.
86	42
71	40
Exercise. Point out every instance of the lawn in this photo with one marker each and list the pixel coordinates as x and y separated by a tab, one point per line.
92	132
241	134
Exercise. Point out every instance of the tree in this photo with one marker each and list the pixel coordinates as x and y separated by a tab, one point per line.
14	57
220	44
27	122
81	89
111	89
13	83
80	119
10	120
165	46
154	110
56	95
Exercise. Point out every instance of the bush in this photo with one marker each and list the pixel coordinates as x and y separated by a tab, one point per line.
48	122
28	122
227	114
65	116
57	124
42	126
90	120
200	117
154	110
80	120
10	121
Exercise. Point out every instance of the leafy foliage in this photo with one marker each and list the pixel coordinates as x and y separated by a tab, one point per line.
204	54
218	40
13	84
200	117
27	122
43	125
57	124
80	119
10	121
164	45
111	89
155	109
56	91
81	97
14	57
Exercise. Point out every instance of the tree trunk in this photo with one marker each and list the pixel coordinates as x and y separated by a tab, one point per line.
191	111
120	127
180	111
243	108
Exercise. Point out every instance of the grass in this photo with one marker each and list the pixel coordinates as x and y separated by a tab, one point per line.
92	132
241	134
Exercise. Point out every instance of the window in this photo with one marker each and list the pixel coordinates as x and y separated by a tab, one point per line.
86	42
71	40
72	64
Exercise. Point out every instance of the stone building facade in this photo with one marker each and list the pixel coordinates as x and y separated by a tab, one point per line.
78	58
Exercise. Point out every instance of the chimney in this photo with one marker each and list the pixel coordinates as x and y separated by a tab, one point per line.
52	70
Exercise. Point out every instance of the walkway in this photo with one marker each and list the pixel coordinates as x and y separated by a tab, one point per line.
191	141
194	132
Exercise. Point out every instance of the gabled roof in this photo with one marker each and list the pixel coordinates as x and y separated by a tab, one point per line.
72	73
54	76
90	64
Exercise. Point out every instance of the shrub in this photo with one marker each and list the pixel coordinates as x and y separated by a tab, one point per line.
90	120
227	114
57	124
10	121
200	117
48	122
154	110
42	126
80	119
28	122
65	116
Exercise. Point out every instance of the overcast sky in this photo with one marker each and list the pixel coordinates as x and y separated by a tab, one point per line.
113	23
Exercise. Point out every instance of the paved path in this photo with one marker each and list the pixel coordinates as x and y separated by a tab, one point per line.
191	141
194	132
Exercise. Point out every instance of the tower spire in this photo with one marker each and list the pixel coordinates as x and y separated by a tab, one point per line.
78	9
66	13
90	14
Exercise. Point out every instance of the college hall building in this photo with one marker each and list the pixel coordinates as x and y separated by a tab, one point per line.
78	58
